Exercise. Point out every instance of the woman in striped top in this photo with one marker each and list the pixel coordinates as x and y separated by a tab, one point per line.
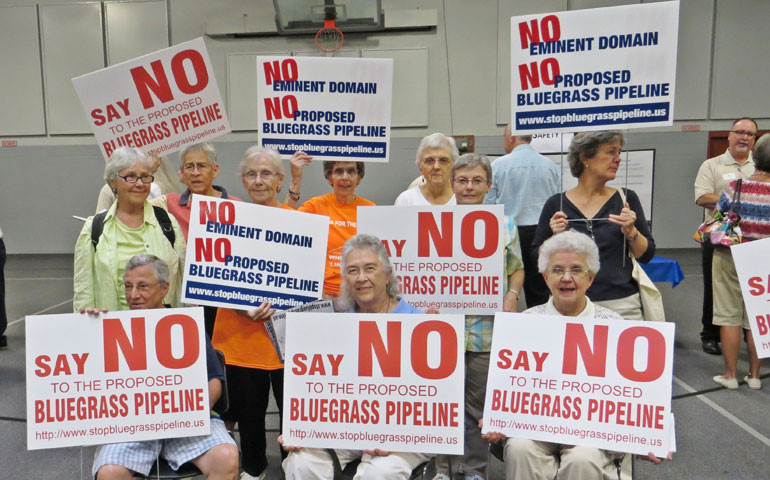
729	310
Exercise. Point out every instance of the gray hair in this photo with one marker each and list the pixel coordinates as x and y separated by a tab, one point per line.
569	241
159	267
470	160
586	144
761	153
374	244
437	140
259	151
122	158
205	147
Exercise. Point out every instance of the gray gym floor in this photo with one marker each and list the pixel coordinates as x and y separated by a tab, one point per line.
717	430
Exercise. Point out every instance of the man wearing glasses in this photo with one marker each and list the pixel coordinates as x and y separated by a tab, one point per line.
713	176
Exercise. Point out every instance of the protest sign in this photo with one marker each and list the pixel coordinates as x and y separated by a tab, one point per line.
240	255
158	103
581	381
390	381
330	108
594	69
276	325
119	376
753	268
449	257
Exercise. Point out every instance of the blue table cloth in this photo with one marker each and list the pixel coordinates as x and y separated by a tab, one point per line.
662	269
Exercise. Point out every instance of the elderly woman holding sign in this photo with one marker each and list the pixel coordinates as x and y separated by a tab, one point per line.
435	157
253	365
369	287
131	226
341	207
569	262
613	218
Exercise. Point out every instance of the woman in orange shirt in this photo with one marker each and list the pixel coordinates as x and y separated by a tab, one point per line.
252	363
340	206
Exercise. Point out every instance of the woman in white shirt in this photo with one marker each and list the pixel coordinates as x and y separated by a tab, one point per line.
435	157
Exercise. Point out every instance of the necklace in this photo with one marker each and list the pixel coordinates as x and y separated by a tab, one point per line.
761	174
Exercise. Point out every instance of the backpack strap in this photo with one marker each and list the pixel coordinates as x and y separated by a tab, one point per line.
165	223
97	225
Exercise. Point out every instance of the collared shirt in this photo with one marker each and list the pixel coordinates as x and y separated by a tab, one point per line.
478	328
179	205
591	310
96	279
717	172
522	181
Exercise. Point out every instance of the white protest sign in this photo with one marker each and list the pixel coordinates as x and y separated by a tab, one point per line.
594	69
390	381
331	108
122	376
276	325
240	255
551	142
753	268
448	256
158	103
579	381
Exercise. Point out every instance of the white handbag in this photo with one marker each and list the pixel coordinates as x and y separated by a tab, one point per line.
652	300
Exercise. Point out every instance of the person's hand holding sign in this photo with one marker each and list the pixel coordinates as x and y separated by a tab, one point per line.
558	222
260	313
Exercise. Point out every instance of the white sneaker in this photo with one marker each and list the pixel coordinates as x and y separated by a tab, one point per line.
441	476
754	383
731	383
246	476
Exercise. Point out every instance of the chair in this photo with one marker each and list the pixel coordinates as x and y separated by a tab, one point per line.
419	472
161	469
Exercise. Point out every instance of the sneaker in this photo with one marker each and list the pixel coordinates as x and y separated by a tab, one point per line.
731	383
754	383
441	476
246	476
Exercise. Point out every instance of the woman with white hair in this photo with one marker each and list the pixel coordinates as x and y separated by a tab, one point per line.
369	286
253	365
569	262
435	157
129	227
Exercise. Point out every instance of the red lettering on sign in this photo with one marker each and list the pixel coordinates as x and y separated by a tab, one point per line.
576	340
191	345
448	350
370	340
427	231
134	350
530	32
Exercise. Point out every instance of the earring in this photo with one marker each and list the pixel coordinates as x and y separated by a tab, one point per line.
114	190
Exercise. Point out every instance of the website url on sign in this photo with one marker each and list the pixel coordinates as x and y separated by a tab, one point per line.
369	438
582	433
616	114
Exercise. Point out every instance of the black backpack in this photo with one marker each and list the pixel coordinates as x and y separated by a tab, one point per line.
97	226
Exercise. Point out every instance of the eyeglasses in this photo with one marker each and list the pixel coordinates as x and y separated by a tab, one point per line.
202	167
142	287
574	271
430	161
132	179
476	182
741	133
266	175
340	172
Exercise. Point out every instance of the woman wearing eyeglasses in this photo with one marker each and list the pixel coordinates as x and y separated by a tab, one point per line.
435	157
131	226
614	219
253	366
341	207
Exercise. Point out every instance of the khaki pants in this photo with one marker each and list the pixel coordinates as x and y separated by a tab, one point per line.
316	464
534	460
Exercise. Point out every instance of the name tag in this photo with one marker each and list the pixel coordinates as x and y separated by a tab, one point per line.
730	176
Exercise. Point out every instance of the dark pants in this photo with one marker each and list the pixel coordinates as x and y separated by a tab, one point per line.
710	331
249	391
3	317
209	316
535	290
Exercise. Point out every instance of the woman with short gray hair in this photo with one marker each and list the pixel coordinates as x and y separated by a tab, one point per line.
612	217
435	156
130	226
